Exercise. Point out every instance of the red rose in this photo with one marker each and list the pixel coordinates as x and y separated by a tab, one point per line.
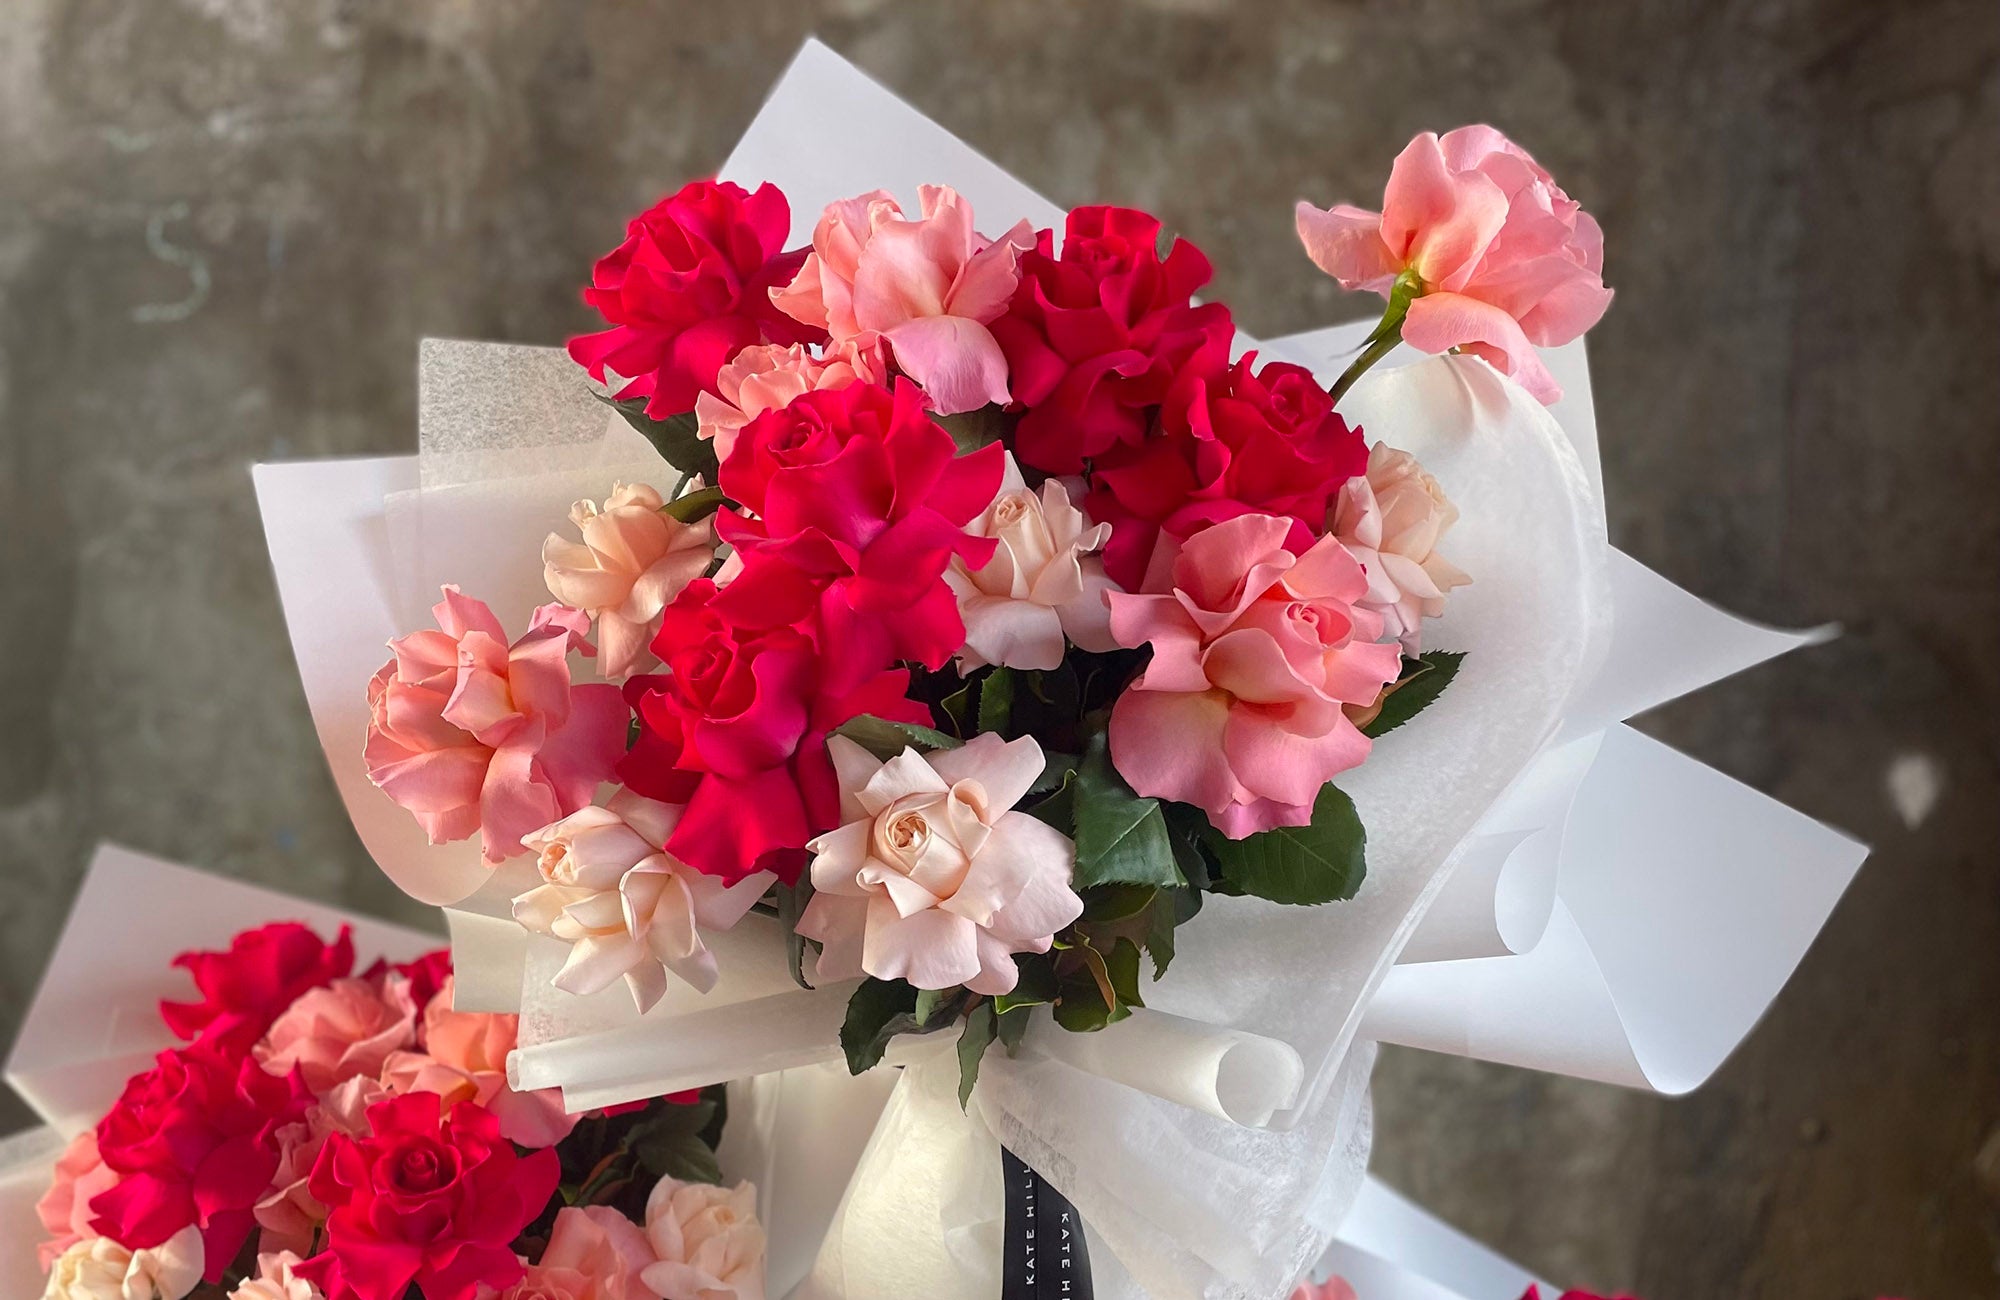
1096	337
1246	442
862	501
735	729
688	289
244	989
427	1199
193	1140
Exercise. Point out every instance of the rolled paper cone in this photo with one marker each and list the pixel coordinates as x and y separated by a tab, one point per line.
1240	1077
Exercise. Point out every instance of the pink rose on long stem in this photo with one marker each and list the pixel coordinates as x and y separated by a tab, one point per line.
1392	519
471	734
928	288
1504	260
1255	650
631	562
933	878
340	1032
767	378
465	1060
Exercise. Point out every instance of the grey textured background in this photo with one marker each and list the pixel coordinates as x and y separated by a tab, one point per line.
224	224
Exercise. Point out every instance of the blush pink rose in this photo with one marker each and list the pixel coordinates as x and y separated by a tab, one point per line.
465	1059
1334	1288
1255	651
932	878
1392	519
471	734
927	288
340	1032
1506	261
707	1243
81	1176
767	378
632	560
594	1253
289	1214
276	1279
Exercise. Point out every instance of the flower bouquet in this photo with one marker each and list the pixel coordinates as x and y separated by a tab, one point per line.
887	641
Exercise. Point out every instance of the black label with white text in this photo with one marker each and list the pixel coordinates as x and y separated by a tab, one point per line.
1043	1256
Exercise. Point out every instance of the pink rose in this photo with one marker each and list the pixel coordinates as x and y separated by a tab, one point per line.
288	1213
81	1176
1255	650
631	562
706	1241
594	1253
275	1280
339	1032
1391	519
767	378
624	905
932	878
928	288
465	1059
1334	1288
1043	583
472	734
1505	260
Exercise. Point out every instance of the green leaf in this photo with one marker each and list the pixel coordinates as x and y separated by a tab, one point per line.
1035	987
1057	769
670	1143
1423	680
1013	1026
1059	808
957	707
674	437
881	1009
1106	903
886	739
1161	920
1318	863
1121	838
981	1028
996	700
791	905
695	505
935	1004
974	429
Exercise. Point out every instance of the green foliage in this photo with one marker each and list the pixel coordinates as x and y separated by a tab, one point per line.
792	905
1121	838
972	430
674	437
881	1009
671	1143
982	1026
886	739
1317	863
996	700
695	505
1422	681
1098	988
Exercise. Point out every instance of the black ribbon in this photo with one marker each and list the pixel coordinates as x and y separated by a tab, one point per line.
1043	1256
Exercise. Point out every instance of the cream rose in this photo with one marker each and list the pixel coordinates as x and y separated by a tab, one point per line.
1391	520
100	1269
1042	584
275	1280
708	1242
631	562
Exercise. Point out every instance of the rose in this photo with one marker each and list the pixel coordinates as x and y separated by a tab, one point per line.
101	1269
428	1198
594	1253
1334	1288
1096	336
861	502
768	378
928	288
464	1061
471	734
626	907
633	559
193	1140
426	975
932	878
1503	260
287	1213
1041	585
339	1032
80	1176
1391	519
688	289
707	1242
264	971
276	1279
1264	441
1255	650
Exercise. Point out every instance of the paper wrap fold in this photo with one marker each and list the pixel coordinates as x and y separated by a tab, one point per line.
1503	880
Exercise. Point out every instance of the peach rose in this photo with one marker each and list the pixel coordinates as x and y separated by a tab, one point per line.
1255	651
465	1059
1392	519
932	878
81	1176
766	377
474	735
1043	583
341	1031
594	1253
626	906
706	1241
928	288
631	562
275	1280
1504	260
290	1214
98	1268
